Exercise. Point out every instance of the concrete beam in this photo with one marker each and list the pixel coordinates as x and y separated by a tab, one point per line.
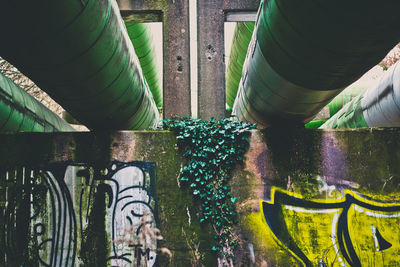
244	16
176	55
211	65
141	17
240	5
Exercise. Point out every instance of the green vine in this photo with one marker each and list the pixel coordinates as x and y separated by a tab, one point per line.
212	148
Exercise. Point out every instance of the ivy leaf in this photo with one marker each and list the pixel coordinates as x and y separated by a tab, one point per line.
219	145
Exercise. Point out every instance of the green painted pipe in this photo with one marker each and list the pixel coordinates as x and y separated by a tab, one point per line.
20	112
379	106
144	48
350	116
348	94
343	98
303	53
355	89
314	124
79	52
240	44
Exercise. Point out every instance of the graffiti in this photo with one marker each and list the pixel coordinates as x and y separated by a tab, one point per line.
134	207
62	215
351	231
58	235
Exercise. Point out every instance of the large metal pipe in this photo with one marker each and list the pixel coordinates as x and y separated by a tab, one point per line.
144	48
303	53
355	89
20	112
379	106
79	52
343	98
240	43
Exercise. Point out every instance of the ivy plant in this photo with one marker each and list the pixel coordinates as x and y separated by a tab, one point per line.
212	149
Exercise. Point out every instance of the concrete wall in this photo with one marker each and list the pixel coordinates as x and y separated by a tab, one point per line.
320	197
305	197
63	155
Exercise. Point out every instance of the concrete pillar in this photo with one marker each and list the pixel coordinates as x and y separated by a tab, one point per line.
211	16
211	66
176	56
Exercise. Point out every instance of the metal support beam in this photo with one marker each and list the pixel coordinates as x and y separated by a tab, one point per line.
211	65
176	56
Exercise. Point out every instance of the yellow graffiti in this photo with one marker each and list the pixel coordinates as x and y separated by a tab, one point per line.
350	231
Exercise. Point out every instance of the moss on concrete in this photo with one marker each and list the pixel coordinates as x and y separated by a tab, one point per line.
26	149
93	149
363	160
372	158
95	246
189	241
296	157
265	246
311	163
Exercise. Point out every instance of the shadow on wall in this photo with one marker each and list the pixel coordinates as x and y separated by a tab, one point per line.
329	198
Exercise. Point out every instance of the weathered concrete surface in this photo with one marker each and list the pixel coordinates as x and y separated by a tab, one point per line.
176	56
320	166
183	236
239	5
211	53
314	165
